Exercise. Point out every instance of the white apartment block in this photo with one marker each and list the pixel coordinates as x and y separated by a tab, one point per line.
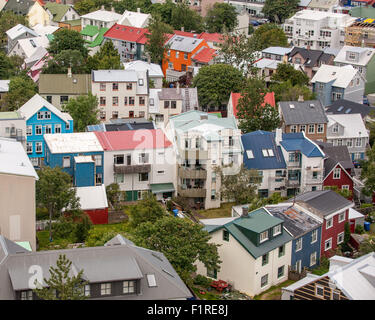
121	93
317	29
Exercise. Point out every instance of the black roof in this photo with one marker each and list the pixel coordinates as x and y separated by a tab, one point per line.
343	106
312	57
128	126
335	154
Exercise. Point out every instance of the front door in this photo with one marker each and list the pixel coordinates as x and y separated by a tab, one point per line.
299	266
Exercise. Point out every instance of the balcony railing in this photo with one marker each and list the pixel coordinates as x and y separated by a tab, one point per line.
294	164
192	154
137	168
192	173
292	183
191	192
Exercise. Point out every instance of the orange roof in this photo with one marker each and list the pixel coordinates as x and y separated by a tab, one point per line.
268	98
211	37
204	55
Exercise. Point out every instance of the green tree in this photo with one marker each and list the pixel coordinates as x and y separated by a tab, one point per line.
65	39
10	66
279	10
21	89
181	241
215	83
285	72
85	6
65	59
252	111
54	191
164	10
113	194
183	16
342	192
368	172
107	58
367	246
148	209
285	91
220	17
60	285
8	20
84	111
155	45
268	35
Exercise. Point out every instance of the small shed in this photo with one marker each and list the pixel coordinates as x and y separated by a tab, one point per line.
355	218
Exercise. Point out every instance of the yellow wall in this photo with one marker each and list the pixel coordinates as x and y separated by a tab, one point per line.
37	14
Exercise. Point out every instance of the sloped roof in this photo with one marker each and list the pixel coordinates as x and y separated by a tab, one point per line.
353	125
102	15
267	63
298	142
31	45
339	76
256	141
277	50
57	10
154	70
18	30
184	44
99	38
126	33
269	98
303	112
325	4
204	55
89	30
365	55
336	154
169	94
18	7
312	57
211	37
343	106
77	84
93	197
134	19
45	30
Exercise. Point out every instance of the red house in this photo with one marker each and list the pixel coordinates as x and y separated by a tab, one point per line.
336	175
93	201
333	211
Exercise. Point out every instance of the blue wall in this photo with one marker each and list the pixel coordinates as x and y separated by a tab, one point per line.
84	174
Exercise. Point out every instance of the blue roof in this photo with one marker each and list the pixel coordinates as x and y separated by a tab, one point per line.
298	142
256	141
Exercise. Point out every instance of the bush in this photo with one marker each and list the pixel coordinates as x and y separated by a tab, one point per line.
366	205
42	213
203	281
169	205
359	229
63	229
370	217
82	229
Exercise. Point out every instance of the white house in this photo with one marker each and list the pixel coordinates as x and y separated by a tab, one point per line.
13	125
16	33
27	47
134	19
154	71
100	18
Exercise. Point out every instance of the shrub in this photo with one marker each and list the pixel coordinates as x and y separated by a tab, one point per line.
203	281
169	205
42	213
359	229
370	217
63	229
366	205
82	229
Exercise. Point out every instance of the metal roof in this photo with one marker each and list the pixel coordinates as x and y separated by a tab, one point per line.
343	106
93	197
303	112
298	142
352	123
102	15
185	44
77	84
18	30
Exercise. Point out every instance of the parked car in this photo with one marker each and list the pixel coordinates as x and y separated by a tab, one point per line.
262	21
254	23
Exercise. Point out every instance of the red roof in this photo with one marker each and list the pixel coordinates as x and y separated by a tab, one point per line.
211	37
126	33
186	34
133	139
268	98
204	55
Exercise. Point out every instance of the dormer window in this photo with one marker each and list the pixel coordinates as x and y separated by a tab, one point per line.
352	56
277	230
263	236
335	128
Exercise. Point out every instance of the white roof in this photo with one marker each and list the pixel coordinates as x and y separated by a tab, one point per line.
277	50
181	43
352	123
217	221
92	197
309	278
42	30
30	45
341	76
354	214
39	53
4	85
267	63
83	159
154	70
319	15
134	19
18	30
36	103
73	142
365	55
14	160
102	15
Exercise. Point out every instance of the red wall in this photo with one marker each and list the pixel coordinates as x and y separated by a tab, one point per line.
98	216
333	232
344	180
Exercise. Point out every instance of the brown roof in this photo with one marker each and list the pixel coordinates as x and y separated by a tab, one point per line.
62	84
169	94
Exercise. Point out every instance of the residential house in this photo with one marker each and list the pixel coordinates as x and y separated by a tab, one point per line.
203	143
140	161
17	194
255	250
309	61
100	19
154	71
42	118
121	93
16	33
204	56
262	154
70	86
13	125
135	273
253	8
39	54
212	39
304	161
362	59
323	5
266	68
129	41
331	83
306	232
304	116
349	130
343	106
361	33
94	37
122	125
18	7
134	19
332	210
36	66
317	29
27	48
347	279
4	88
355	219
46	30
60	13
38	15
80	154
275	53
178	56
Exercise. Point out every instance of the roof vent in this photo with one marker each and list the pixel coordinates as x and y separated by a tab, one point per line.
245	211
312	105
291	106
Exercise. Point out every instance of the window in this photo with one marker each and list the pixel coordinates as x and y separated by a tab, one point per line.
311	128
57	128
264	259
143	158
98	179
299	244
169	53
335	295
67	126
140	82
66	162
131	101
277	230
118	178
267	153
114	114
341	216
302	127
39	147
225	235
337	173
263	236
38	130
143	176
40	115
29	147
213	194
129	286
105	289
319	291
48	128
115	101
358	142
27	295
118	159
281	251
349	142
166	104
29	130
250	154
151	101
103	101
293	129
115	86
87	290
102	87
141	101
102	115
177	54
340	238
213	177
320	128
280	272
141	114
63	99
185	56
129	86
314	236
264	281
335	128
49	99
212	273
328	244
313	259
98	159
173	104
329	223
345	187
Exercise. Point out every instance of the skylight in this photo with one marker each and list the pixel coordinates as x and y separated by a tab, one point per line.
250	154
340	109
347	111
151	280
268	153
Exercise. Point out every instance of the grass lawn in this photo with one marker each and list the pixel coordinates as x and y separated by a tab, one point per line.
223	212
273	293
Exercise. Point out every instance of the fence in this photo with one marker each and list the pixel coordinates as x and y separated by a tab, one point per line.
295	275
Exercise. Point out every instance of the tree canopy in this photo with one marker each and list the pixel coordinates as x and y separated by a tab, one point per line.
183	16
10	66
65	39
220	17
285	91
147	209
268	35
8	20
285	72
106	58
21	89
279	10
368	172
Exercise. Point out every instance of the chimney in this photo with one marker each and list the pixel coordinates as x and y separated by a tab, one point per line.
139	10
148	59
178	88
69	72
102	7
278	136
300	98
113	9
245	211
182	29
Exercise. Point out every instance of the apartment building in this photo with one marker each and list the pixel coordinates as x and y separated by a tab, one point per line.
317	29
204	143
121	93
13	125
252	7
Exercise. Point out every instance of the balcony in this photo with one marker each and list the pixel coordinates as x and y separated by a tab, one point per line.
191	192
292	183
294	164
318	180
192	154
137	168
192	173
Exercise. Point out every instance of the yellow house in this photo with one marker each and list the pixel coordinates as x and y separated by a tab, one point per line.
38	15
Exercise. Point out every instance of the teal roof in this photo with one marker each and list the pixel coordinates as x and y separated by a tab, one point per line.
162	187
243	230
50	37
99	38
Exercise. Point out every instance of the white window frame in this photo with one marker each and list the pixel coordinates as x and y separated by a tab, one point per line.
265	284
325	242
128	287
36	130
343	218
340	235
28	144
313	259
345	187
337	173
48	126
104	288
320	128
313	128
37	145
314	236
98	160
299	244
29	130
65	159
265	238
293	128
87	290
277	230
57	128
331	223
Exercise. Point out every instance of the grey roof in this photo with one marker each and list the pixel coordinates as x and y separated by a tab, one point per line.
304	112
312	57
296	221
185	44
118	260
18	7
343	106
335	154
323	202
170	94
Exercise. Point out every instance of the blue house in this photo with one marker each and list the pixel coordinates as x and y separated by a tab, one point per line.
42	118
262	154
79	154
306	232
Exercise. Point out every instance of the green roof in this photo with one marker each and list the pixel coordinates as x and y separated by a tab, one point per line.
10	115
73	23
218	114
162	187
50	37
99	38
24	244
57	10
244	229
90	30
